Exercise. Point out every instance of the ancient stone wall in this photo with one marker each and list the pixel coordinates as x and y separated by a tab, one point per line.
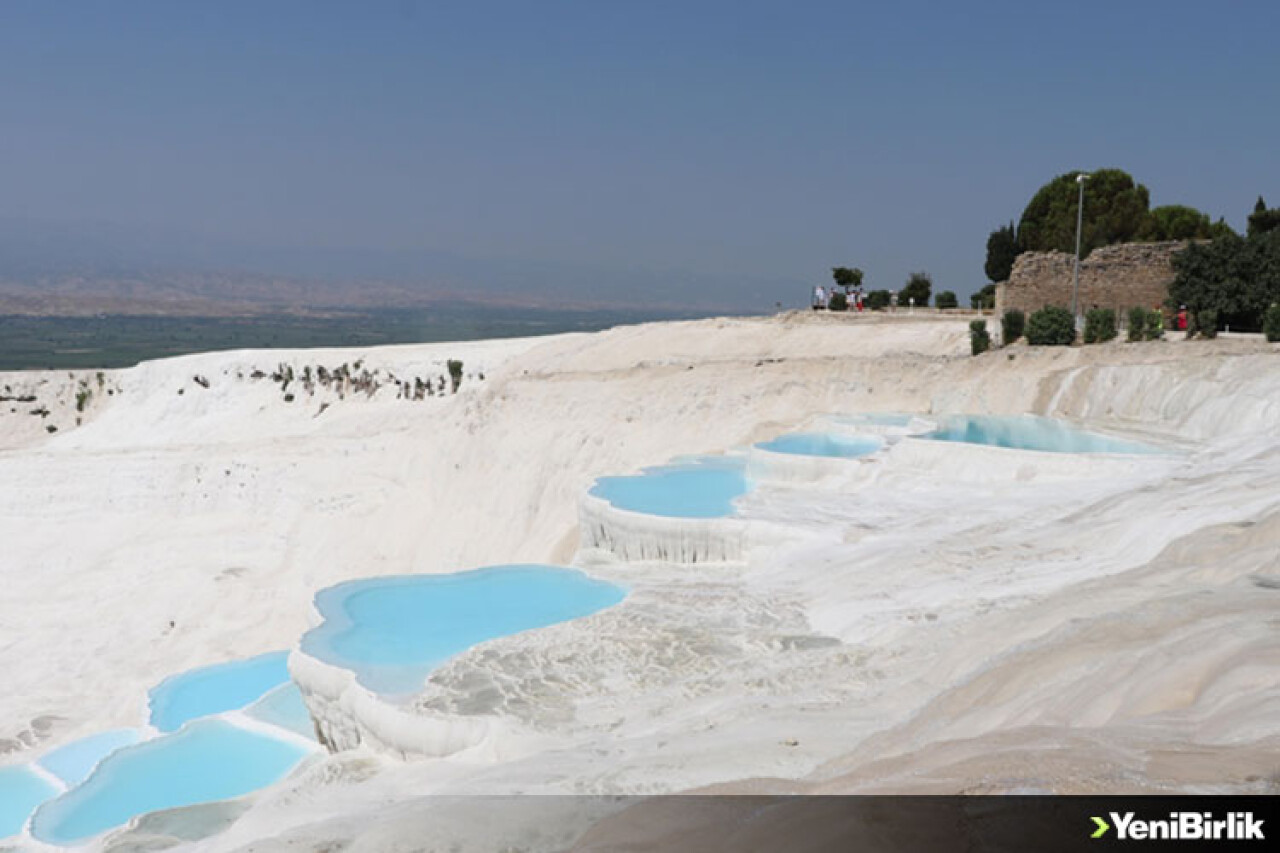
1117	277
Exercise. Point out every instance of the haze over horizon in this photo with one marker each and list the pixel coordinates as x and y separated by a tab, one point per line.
714	155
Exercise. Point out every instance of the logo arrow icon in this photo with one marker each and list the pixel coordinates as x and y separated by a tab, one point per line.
1103	826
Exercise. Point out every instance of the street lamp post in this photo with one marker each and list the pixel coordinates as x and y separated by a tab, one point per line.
1075	287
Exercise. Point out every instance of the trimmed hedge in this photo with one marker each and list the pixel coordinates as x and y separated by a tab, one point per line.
1271	324
1207	321
979	337
946	299
877	300
1012	324
1099	325
1137	323
838	302
1051	326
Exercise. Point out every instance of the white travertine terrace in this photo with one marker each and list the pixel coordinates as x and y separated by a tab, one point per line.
985	463
639	537
771	466
951	622
347	715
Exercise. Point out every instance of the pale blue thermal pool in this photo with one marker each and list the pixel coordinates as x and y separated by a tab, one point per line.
207	760
113	776
702	488
214	689
393	631
21	790
1028	432
74	762
284	707
823	444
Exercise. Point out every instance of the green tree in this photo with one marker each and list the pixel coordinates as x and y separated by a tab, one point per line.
1220	229
1002	249
1232	278
1263	220
847	277
877	300
919	287
1174	222
984	298
1115	211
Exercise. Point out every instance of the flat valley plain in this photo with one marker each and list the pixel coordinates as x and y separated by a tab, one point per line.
110	341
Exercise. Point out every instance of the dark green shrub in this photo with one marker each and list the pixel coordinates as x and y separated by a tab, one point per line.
455	374
1051	326
1271	323
1207	321
1137	323
839	302
946	299
1099	325
1012	325
979	337
1155	325
877	300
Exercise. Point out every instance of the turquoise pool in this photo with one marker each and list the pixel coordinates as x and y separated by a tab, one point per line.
284	707
74	762
393	631
823	444
21	790
1028	432
112	776
207	760
214	689
701	489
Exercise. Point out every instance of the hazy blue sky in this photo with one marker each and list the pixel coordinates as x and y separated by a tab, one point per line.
760	140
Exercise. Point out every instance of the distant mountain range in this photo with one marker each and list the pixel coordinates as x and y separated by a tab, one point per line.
74	269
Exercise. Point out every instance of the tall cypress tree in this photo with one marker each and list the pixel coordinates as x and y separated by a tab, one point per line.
1002	249
1263	219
